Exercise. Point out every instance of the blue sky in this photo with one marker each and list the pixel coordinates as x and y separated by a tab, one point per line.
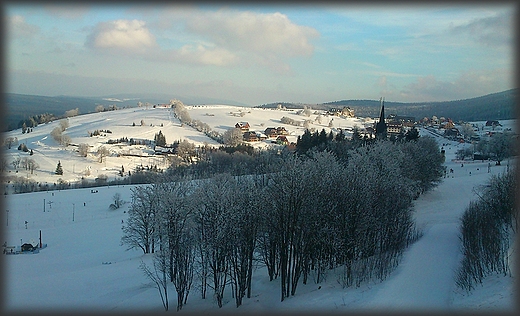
307	53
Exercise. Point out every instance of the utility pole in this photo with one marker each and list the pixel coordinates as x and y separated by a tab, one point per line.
73	206
43	205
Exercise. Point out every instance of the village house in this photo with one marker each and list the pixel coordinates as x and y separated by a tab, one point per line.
345	111
271	132
261	136
250	136
282	131
396	125
244	126
160	150
282	140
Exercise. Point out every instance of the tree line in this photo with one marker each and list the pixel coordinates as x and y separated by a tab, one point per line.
488	229
303	217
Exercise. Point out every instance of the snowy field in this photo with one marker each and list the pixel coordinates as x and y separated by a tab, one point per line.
84	267
120	123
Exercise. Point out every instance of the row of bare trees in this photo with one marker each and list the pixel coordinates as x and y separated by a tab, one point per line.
308	215
488	229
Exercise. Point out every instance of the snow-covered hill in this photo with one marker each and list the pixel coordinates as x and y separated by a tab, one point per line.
120	123
84	267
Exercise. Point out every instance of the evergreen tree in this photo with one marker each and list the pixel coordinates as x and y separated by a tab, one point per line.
160	139
304	142
59	169
357	139
340	136
412	134
322	137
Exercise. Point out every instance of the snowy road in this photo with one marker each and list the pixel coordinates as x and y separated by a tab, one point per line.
425	278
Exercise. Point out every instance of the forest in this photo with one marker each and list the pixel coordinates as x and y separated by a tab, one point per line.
343	206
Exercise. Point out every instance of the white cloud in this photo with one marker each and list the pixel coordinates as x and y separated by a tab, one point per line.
494	30
19	28
203	55
254	32
467	84
266	40
122	35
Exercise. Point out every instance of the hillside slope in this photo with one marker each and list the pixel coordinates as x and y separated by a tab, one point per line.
496	106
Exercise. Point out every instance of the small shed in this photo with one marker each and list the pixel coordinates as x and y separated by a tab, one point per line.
28	247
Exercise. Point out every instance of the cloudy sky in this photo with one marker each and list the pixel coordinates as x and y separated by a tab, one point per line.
307	53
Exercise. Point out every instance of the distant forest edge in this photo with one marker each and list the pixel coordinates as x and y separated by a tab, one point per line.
20	107
496	106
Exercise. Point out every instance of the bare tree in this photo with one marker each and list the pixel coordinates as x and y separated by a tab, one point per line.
467	130
3	164
233	136
176	229
102	153
56	134
32	165
186	150
118	202
83	149
9	141
215	206
502	145
64	124
158	275
16	162
139	232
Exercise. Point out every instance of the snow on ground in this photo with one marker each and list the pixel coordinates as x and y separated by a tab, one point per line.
47	152
84	267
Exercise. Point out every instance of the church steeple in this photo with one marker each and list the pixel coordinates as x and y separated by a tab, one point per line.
381	125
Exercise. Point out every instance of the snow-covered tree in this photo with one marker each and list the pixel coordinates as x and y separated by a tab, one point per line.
176	228
83	149
185	150
64	124
502	145
139	231
73	112
158	274
488	229
216	204
233	136
32	165
102	153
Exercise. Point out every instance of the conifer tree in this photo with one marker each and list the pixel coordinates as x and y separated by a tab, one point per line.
160	139
59	169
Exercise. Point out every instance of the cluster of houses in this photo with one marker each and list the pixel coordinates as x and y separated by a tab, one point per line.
278	134
450	131
345	111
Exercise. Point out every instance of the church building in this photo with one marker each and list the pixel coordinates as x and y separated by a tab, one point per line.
381	127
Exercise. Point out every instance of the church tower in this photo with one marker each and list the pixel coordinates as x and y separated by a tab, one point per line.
381	125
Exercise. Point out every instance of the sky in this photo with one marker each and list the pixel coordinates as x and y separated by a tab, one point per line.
257	54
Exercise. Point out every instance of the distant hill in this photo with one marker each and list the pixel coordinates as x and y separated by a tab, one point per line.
496	106
19	107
